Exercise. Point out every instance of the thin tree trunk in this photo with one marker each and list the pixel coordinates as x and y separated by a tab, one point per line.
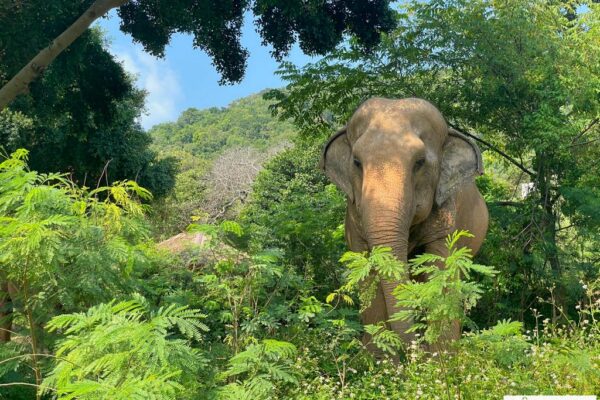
34	349
5	313
549	216
551	242
548	221
20	82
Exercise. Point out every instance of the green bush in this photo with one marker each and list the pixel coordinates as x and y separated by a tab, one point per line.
126	350
258	326
294	207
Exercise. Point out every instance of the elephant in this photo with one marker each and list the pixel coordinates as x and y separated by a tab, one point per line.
409	181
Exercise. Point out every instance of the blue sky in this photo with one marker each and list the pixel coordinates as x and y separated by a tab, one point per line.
186	78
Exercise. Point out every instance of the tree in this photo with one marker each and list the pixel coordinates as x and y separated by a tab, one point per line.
81	118
207	133
230	180
62	248
216	26
293	207
201	139
491	68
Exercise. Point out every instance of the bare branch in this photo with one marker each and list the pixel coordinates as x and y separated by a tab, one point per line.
495	149
26	384
584	143
104	171
230	180
584	131
507	203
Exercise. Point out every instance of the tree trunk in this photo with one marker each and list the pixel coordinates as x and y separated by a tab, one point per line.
549	215
548	222
550	240
20	82
5	313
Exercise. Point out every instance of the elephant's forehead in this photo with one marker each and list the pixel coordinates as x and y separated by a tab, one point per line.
395	116
383	141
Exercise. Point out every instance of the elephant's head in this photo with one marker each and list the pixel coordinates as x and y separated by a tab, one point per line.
396	160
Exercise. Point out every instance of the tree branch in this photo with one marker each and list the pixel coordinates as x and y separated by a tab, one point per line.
584	131
26	384
495	149
507	203
104	171
584	143
20	82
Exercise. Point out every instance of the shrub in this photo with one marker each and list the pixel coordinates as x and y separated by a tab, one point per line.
126	350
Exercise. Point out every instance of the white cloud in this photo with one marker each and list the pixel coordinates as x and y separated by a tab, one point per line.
160	81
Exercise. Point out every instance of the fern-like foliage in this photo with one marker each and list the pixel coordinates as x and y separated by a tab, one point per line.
380	260
125	350
502	344
446	295
55	234
503	329
384	339
259	371
65	248
364	270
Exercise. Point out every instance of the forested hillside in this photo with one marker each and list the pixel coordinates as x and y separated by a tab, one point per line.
246	122
259	297
219	152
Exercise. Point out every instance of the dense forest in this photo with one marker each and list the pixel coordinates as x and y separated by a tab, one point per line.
208	258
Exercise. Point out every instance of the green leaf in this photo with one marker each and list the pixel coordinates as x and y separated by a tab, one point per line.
232	227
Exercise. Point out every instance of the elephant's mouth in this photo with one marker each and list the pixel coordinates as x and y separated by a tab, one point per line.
415	251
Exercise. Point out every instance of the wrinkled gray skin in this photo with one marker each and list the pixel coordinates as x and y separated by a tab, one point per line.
409	182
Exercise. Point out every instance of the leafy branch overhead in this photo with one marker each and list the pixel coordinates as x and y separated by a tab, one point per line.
216	27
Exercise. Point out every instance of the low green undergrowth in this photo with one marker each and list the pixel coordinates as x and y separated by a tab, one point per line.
499	361
98	312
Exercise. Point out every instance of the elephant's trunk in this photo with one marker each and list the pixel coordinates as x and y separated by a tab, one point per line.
387	221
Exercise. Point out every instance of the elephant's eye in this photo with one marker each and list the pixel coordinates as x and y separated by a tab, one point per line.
419	164
357	163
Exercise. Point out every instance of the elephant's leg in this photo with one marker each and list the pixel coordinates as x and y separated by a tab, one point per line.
399	327
372	315
466	212
454	330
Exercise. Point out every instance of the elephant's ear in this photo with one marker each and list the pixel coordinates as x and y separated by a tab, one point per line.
461	162
335	161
